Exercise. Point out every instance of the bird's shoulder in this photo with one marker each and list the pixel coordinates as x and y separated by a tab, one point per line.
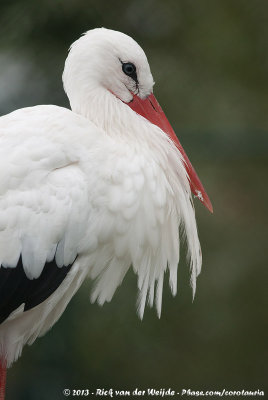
44	120
35	141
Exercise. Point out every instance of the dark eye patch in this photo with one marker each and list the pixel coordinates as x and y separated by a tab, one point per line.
130	70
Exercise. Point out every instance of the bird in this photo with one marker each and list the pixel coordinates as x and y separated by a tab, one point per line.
91	191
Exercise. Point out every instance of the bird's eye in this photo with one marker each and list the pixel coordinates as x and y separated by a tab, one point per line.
128	68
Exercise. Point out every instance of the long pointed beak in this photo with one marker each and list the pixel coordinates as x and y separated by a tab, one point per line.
150	109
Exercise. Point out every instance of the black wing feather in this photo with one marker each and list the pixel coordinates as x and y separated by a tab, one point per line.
16	288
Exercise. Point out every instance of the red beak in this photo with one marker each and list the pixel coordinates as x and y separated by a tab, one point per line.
150	109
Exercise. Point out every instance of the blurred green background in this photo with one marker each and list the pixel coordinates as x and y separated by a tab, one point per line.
210	63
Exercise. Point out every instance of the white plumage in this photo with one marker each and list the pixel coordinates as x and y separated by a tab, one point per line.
99	186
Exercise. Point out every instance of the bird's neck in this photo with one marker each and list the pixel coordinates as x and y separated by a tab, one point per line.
107	112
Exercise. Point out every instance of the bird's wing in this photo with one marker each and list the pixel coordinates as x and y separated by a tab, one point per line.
43	205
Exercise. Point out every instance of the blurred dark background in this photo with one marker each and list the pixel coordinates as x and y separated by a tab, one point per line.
210	63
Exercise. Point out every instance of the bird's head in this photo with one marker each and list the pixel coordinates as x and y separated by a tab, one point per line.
111	61
108	59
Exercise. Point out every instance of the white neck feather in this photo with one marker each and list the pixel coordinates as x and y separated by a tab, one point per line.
112	115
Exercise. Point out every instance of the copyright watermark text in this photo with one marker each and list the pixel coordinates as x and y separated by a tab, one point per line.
152	392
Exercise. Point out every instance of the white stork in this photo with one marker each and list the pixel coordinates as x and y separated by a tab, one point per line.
90	192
